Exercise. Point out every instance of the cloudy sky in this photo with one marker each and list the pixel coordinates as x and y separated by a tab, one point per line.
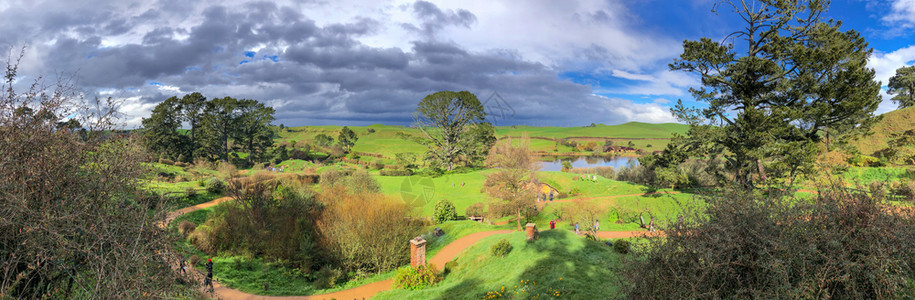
561	63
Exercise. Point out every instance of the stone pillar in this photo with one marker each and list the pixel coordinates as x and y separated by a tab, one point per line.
531	231
417	252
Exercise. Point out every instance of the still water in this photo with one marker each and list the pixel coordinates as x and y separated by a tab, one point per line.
616	162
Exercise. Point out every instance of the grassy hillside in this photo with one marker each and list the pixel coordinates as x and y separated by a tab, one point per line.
388	140
558	265
627	130
893	122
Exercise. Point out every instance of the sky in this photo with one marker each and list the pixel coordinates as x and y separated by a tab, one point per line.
343	62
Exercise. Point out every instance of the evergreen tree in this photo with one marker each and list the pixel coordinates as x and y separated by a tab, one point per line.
775	87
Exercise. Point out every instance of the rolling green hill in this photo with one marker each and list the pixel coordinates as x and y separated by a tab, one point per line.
388	139
893	122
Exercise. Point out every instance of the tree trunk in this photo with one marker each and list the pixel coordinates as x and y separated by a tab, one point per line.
519	221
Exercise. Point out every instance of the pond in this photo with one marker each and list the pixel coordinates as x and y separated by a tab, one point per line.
616	162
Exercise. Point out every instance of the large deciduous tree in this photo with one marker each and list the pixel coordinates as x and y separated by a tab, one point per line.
777	87
902	85
450	122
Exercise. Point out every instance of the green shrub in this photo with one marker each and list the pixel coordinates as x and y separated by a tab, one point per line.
418	278
449	267
328	278
501	248
215	186
444	211
475	210
190	192
859	160
621	246
395	172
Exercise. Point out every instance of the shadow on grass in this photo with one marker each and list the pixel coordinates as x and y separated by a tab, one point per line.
565	273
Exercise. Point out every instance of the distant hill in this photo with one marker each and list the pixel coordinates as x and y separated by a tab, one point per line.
627	130
892	122
388	140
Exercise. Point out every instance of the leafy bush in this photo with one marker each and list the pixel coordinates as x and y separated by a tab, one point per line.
190	192
859	160
501	248
395	172
475	210
362	182
606	171
186	228
331	177
621	246
905	189
418	278
745	245
444	211
328	277
215	186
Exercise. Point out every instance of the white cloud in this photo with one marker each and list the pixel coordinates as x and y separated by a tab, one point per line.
631	76
885	65
670	83
902	14
629	111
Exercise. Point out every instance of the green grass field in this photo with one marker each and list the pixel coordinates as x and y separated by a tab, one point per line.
559	262
389	140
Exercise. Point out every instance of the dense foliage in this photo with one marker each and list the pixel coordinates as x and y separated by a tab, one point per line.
213	124
845	244
73	222
783	83
453	128
418	278
444	211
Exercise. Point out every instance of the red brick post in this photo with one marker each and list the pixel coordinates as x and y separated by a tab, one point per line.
417	252
531	231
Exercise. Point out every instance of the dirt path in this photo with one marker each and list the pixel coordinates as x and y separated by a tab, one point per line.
177	213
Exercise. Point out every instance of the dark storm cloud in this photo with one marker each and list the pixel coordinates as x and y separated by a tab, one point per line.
434	19
312	74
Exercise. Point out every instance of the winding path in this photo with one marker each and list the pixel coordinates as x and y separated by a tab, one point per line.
366	291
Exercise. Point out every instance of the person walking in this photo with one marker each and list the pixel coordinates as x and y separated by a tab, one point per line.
577	231
596	226
552	224
208	281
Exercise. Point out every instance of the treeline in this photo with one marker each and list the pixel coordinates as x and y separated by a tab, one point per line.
219	129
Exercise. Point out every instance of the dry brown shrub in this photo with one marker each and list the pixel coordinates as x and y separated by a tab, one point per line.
365	231
186	228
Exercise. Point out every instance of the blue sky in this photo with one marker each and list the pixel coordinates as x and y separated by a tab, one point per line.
358	62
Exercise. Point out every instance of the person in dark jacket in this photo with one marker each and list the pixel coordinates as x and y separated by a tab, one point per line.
208	281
